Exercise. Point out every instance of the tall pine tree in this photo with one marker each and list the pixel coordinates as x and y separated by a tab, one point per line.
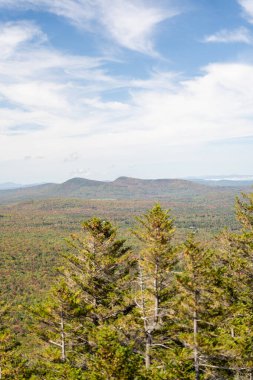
155	286
94	295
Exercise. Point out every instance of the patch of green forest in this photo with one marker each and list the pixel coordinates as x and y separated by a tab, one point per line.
158	303
33	232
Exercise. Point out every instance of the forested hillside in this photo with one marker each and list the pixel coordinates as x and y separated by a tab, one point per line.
168	301
126	188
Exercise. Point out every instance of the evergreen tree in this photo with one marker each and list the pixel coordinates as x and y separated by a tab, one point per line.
199	309
94	293
55	323
155	287
236	255
99	267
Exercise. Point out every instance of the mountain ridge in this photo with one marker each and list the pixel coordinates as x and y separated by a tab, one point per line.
120	188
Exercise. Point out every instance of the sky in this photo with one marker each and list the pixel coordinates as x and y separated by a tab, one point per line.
141	88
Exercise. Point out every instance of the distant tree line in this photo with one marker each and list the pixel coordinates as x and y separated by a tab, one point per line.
159	310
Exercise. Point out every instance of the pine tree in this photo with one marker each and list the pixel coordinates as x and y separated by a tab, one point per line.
99	266
237	260
155	286
55	323
94	293
199	309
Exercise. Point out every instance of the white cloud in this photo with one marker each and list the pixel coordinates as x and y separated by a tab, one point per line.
13	36
247	6
54	104
35	95
129	23
164	110
241	35
215	105
97	103
42	82
132	23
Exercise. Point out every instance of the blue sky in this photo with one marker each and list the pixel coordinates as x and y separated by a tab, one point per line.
143	88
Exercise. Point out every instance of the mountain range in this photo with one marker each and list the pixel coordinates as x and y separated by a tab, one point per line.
123	188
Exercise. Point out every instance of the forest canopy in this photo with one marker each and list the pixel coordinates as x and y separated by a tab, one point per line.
140	308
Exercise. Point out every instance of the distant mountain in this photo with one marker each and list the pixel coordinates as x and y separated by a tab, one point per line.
9	185
226	182
121	188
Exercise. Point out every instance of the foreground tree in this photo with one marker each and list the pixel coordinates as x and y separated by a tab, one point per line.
99	267
155	286
199	309
236	257
56	322
94	293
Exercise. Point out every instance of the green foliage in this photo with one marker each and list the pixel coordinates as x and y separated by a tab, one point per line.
32	235
55	323
199	308
155	287
99	267
161	310
236	329
112	359
244	210
53	371
93	292
12	363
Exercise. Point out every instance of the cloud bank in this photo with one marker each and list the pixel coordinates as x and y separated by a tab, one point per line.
63	98
76	113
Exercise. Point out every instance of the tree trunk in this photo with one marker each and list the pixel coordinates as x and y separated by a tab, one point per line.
145	323
156	305
147	352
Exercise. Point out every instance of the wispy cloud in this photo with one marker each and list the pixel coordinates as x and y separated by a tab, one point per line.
129	23
66	96
239	35
247	6
14	36
208	107
53	104
132	23
41	84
